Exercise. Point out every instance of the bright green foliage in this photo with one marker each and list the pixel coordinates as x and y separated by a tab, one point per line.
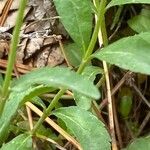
125	106
39	82
125	102
88	130
140	144
74	54
90	73
36	100
122	2
21	142
42	130
1	83
1	80
16	100
57	77
76	16
141	23
132	53
137	24
82	101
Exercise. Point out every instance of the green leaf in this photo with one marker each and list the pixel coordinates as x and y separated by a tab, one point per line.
141	23
36	100
122	2
24	126
132	53
57	77
88	130
1	83
76	16
16	100
1	79
21	142
82	101
90	73
74	54
140	144
38	82
125	102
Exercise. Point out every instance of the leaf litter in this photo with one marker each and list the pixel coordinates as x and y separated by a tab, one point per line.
40	34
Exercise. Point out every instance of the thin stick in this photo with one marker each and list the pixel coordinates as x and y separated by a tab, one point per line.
54	125
5	12
115	89
27	109
29	117
29	113
141	95
97	111
64	54
51	141
3	63
44	19
51	95
117	125
146	119
22	69
103	40
129	129
110	108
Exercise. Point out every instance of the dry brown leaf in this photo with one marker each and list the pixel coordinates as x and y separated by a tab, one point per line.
38	26
55	58
10	21
42	58
33	46
4	43
39	44
21	50
4	48
49	40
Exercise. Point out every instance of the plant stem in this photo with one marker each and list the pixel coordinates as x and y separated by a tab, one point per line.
104	33
101	13
86	58
89	51
116	18
12	54
49	109
110	103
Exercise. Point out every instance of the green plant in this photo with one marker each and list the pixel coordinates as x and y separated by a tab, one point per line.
31	85
84	125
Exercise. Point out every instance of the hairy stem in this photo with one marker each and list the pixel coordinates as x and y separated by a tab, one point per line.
12	54
49	109
101	12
